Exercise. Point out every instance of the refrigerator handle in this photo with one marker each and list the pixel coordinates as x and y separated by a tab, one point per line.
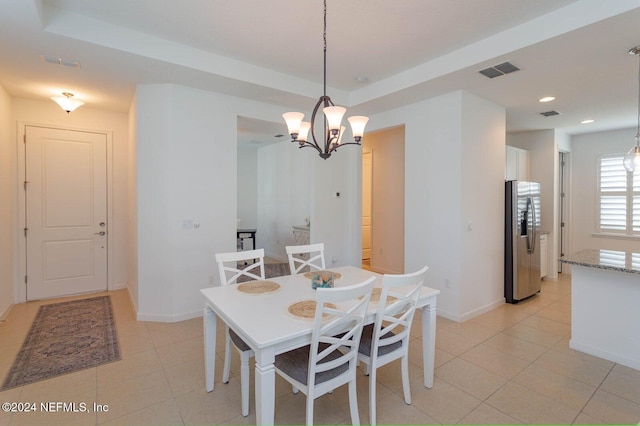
527	224
533	226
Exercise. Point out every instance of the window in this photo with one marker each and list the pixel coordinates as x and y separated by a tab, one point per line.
619	197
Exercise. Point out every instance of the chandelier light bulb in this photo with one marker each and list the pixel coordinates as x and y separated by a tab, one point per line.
293	120
304	131
632	159
358	122
334	117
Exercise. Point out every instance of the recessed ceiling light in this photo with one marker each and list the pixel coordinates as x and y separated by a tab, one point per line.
362	79
547	99
586	121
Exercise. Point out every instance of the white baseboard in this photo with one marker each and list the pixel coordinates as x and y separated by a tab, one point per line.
169	318
620	359
481	310
120	286
471	314
6	312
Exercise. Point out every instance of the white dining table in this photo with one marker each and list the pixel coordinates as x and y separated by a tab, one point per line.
265	324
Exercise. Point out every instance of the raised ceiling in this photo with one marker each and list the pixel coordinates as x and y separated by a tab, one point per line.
271	51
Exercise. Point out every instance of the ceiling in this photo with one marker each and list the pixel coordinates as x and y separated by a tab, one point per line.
271	51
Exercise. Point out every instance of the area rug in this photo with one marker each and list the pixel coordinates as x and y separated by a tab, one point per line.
64	338
270	270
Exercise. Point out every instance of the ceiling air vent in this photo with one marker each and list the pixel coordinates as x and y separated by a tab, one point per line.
498	70
550	113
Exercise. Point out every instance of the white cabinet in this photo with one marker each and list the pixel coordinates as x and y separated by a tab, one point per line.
543	255
516	164
301	235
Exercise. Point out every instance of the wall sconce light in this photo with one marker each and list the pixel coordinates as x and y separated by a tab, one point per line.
66	102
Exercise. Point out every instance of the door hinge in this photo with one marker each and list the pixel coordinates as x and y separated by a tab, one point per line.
24	138
25	279
562	224
25	184
25	231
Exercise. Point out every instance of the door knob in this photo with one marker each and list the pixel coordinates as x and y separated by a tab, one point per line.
100	233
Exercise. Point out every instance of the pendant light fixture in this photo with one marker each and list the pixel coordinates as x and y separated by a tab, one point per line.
632	159
332	128
66	103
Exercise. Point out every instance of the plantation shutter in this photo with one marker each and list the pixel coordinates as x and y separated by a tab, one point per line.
613	194
619	195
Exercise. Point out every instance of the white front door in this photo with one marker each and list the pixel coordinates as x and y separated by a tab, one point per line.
66	212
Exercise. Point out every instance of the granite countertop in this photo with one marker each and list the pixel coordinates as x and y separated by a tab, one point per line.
605	259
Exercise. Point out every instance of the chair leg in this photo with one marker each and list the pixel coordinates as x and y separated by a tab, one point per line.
353	402
405	379
244	382
372	397
310	400
226	372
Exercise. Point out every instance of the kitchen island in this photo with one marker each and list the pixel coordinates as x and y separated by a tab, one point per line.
605	305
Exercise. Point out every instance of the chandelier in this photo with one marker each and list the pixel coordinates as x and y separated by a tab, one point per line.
632	159
332	128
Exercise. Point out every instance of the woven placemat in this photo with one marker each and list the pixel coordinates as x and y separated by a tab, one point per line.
336	275
375	296
306	309
258	287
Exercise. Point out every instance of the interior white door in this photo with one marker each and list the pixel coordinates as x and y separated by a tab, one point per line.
66	212
367	177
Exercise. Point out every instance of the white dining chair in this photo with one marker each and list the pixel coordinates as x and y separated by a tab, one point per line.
387	339
330	360
297	260
231	273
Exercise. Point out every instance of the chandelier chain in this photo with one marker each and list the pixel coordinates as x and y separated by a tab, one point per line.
324	39
638	134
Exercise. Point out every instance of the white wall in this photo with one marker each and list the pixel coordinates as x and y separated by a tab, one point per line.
87	118
285	191
443	136
186	150
387	202
186	169
7	203
132	222
248	187
482	220
585	150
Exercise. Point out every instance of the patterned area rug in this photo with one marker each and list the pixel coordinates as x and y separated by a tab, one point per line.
64	338
270	270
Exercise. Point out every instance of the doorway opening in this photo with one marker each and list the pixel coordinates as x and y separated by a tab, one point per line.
383	201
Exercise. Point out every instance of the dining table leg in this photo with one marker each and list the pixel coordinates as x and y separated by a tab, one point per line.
265	386
429	342
209	328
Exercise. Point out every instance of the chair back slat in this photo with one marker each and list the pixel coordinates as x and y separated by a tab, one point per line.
393	321
342	330
297	262
231	273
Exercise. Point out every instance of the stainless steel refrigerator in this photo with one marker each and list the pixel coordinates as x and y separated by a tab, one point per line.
522	232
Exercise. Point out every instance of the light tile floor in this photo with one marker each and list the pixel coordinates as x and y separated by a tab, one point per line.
510	365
